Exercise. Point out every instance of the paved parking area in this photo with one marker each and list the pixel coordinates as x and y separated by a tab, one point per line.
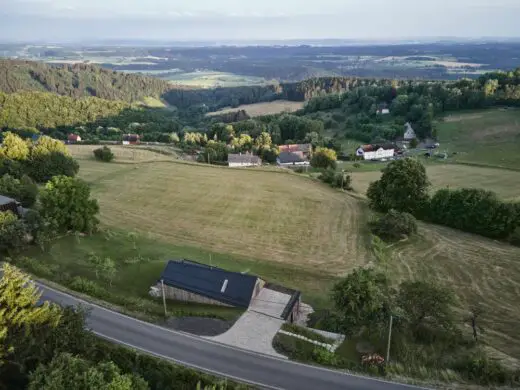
256	328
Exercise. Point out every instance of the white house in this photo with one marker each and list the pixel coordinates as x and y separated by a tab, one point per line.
244	160
383	111
409	133
375	152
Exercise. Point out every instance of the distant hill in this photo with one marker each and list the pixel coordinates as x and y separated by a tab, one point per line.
78	80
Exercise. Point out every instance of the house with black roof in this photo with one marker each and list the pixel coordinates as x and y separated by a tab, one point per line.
289	159
189	281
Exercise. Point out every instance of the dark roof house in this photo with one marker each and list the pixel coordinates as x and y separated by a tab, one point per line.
232	288
291	157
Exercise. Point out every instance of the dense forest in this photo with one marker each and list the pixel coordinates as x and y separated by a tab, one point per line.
353	103
78	81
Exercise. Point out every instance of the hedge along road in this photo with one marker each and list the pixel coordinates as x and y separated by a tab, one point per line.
211	357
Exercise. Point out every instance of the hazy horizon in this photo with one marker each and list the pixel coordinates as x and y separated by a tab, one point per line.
269	20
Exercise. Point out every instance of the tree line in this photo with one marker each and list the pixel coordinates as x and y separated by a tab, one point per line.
404	186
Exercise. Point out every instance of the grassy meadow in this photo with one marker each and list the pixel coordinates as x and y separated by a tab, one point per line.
284	227
265	108
506	183
490	137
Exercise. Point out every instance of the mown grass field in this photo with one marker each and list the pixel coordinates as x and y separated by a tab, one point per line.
490	137
506	183
287	229
266	108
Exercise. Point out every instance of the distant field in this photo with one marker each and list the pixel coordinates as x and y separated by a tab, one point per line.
267	108
278	217
489	137
124	153
505	183
209	79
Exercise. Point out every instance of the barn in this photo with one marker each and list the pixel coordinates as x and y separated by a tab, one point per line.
131	139
376	152
243	160
189	281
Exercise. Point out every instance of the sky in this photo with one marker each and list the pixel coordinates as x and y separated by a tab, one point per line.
213	20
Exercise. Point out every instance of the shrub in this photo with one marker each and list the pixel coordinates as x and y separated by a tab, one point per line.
336	179
324	319
485	371
104	154
324	158
12	232
44	166
394	226
86	286
475	211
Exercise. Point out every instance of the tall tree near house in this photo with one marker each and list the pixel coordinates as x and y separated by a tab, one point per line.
324	158
14	148
66	204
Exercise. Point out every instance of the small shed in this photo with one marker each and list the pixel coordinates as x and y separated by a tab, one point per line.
305	149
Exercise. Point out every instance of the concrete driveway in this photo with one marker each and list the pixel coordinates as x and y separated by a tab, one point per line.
256	328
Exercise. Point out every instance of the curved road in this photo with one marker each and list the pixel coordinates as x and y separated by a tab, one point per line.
205	355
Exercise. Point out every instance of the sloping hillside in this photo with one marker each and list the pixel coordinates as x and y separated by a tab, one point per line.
78	80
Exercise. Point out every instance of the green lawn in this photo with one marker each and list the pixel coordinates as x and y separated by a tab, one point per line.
139	268
490	137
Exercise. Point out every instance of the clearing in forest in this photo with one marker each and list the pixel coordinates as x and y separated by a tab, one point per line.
266	108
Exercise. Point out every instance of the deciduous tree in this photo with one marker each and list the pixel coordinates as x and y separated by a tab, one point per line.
324	158
66	205
403	187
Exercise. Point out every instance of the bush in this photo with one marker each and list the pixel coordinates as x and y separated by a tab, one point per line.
324	320
480	369
336	179
104	154
324	158
43	167
12	232
86	286
475	211
394	226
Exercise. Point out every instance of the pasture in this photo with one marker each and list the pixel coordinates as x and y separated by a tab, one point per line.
487	137
506	183
287	229
279	217
211	79
265	108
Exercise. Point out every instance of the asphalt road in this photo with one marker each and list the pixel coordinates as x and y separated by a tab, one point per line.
260	370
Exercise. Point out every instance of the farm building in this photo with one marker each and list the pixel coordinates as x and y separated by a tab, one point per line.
305	149
377	152
244	160
189	281
73	138
131	139
289	159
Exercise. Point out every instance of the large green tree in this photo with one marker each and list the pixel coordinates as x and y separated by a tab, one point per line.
12	233
24	190
66	205
362	300
67	372
324	158
13	147
403	186
427	308
19	299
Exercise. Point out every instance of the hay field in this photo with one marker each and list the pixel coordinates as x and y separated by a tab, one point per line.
505	183
490	137
125	153
277	217
479	270
265	108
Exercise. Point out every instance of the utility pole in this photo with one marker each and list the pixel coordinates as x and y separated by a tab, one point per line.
389	339
164	298
210	262
342	178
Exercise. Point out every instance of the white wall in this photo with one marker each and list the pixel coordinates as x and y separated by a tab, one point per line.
379	154
242	164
